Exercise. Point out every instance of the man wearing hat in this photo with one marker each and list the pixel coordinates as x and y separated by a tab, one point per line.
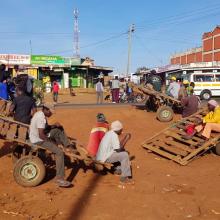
112	151
46	136
211	122
174	87
97	133
183	90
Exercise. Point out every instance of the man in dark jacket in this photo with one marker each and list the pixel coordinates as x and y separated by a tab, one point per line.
23	107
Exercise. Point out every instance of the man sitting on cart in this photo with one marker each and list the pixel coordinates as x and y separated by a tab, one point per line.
111	150
209	123
49	137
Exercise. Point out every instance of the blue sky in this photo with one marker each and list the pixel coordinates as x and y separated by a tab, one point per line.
162	28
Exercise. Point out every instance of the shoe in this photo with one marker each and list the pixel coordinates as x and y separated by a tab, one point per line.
63	183
126	180
117	172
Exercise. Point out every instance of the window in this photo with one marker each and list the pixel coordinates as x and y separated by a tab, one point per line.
217	77
204	78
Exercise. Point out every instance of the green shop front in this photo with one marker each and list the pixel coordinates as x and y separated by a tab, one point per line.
84	76
50	68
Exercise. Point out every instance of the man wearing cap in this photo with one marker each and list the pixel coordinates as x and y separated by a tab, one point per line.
211	122
97	133
112	151
46	136
173	89
183	90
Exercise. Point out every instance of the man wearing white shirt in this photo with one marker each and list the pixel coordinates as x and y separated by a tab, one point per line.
99	91
112	151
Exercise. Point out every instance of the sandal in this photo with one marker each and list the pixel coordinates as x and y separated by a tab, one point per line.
63	183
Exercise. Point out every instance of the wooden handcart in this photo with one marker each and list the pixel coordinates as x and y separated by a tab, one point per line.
170	143
164	105
29	165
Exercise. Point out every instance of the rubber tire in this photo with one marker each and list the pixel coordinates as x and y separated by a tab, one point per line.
160	113
205	92
217	149
16	154
40	169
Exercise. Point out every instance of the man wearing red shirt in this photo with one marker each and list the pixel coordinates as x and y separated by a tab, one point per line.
97	133
55	91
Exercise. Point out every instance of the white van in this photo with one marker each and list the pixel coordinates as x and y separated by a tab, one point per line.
206	84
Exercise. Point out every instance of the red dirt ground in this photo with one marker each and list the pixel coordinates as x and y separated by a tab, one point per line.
162	190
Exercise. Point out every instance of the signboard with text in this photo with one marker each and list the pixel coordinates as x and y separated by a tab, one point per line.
47	60
15	59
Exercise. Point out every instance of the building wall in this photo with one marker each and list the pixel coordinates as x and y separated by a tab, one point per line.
209	52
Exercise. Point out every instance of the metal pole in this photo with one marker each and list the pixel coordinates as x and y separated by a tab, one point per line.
130	31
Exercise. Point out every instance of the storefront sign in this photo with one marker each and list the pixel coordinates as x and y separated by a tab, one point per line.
15	59
47	60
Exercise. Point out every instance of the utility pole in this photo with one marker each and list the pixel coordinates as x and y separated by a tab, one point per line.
130	31
76	32
30	43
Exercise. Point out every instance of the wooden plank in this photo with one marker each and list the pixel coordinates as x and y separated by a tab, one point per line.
5	128
171	149
179	145
12	131
22	133
178	137
1	125
7	108
163	153
206	146
2	106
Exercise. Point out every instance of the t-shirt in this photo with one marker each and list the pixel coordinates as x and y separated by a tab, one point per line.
115	84
99	87
173	89
55	87
38	121
190	105
3	91
22	107
110	142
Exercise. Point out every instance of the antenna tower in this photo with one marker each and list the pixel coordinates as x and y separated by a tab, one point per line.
76	32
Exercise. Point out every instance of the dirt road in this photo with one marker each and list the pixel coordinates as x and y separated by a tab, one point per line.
162	190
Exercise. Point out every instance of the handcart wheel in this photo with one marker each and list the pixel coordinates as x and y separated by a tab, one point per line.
165	114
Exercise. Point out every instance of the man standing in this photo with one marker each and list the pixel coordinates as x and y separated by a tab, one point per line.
55	91
112	151
48	138
173	89
99	91
115	90
22	107
183	92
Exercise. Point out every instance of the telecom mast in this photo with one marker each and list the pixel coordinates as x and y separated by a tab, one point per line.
76	32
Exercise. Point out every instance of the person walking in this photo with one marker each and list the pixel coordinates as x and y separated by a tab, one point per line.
55	91
115	90
99	91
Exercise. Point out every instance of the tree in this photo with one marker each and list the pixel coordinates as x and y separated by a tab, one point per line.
142	70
